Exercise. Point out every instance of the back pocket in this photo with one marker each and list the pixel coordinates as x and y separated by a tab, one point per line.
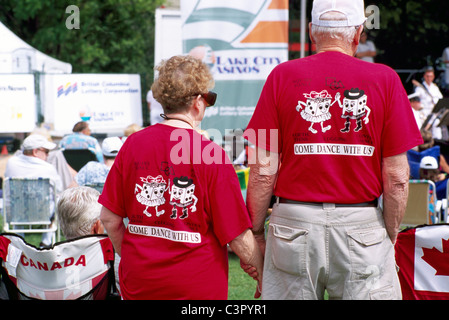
369	252
289	249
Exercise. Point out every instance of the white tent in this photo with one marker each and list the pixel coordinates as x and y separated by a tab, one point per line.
17	56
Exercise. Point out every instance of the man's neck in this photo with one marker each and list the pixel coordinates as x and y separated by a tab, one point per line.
337	48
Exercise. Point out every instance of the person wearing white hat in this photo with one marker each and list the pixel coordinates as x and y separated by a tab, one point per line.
326	231
95	172
428	162
32	163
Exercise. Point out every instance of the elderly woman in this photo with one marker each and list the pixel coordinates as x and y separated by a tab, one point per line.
181	196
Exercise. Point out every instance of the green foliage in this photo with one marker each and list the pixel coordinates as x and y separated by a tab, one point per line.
113	35
413	33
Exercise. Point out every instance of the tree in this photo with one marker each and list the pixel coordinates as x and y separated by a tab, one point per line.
413	33
114	36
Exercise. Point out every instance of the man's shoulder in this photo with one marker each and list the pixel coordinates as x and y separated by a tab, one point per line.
24	166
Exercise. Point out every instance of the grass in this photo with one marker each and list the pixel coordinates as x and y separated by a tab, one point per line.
241	285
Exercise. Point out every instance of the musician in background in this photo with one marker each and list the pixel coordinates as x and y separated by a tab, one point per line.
429	93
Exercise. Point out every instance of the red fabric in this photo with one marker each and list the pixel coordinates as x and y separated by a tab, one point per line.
422	258
181	256
302	111
108	250
4	243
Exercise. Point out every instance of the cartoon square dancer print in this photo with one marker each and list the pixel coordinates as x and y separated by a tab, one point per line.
151	193
316	108
354	108
182	195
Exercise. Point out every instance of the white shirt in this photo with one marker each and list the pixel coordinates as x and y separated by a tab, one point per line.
419	117
22	166
429	101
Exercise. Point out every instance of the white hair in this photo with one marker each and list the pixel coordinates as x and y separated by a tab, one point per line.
78	210
344	34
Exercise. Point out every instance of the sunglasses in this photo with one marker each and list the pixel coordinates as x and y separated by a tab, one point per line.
210	97
46	151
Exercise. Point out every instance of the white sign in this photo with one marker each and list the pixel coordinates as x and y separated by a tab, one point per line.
17	103
109	102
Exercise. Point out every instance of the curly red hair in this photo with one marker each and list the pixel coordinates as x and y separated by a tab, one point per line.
179	79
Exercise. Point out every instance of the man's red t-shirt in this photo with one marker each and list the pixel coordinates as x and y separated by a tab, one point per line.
184	204
332	118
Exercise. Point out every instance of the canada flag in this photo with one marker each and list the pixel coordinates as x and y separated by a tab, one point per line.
422	255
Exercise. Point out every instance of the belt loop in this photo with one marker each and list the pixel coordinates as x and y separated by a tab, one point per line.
277	200
329	206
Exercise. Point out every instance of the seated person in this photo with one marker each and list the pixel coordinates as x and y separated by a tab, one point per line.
96	172
32	163
429	142
429	170
79	215
81	139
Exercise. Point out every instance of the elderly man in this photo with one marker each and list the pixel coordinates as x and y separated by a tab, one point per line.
326	229
79	212
79	215
32	162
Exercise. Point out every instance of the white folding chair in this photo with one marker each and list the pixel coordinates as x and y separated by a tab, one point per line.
78	269
29	206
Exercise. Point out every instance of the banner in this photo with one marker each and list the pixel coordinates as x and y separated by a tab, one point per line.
17	103
422	256
110	102
241	41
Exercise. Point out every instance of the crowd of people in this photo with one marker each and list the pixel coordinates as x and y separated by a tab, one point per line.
326	231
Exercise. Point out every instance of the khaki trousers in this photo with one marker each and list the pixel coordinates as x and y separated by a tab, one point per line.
343	250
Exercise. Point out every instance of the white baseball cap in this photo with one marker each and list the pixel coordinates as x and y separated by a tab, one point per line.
428	162
111	146
354	10
36	141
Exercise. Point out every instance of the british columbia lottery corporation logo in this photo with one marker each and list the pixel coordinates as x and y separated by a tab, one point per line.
68	88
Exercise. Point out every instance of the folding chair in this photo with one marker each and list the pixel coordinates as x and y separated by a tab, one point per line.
77	158
29	202
421	204
78	269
